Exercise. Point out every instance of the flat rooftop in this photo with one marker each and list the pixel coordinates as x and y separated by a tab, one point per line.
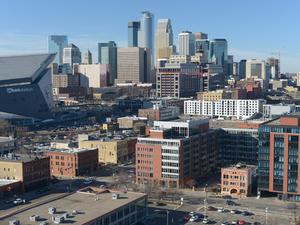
6	139
89	205
276	122
70	150
235	124
11	157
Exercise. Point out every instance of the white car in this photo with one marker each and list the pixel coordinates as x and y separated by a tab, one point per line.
193	218
234	222
19	201
192	213
221	210
206	221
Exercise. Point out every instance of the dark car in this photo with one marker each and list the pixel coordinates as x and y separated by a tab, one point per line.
246	213
230	202
186	217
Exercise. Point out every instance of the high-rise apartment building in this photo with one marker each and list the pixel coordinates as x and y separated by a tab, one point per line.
164	39
56	44
71	55
176	153
87	57
107	54
179	80
219	53
279	157
145	33
133	65
186	43
133	28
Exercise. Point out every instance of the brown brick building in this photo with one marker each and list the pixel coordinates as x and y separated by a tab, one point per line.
33	171
72	162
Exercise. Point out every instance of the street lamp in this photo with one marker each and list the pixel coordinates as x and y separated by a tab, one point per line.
267	210
167	212
205	201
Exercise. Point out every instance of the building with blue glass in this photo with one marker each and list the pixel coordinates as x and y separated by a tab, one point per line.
56	44
133	28
219	53
107	54
279	157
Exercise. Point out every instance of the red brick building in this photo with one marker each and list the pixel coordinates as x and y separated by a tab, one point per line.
238	180
72	162
176	153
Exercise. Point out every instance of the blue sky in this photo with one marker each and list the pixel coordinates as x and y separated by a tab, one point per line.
253	29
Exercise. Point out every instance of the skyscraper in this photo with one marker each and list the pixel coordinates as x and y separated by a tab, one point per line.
133	28
107	54
242	69
71	55
275	67
230	65
87	57
186	43
219	53
133	65
164	39
56	44
145	33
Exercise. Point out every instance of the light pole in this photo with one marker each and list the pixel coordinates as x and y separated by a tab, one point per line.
205	201
267	210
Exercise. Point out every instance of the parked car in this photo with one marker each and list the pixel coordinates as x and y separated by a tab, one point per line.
242	222
194	218
230	202
225	223
19	201
234	222
211	208
186	217
206	221
221	210
246	213
234	211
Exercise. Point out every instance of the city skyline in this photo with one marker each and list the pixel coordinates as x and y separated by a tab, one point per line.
247	33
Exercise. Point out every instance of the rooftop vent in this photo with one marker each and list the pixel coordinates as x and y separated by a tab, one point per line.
115	196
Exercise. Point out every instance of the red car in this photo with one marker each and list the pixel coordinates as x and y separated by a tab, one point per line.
241	222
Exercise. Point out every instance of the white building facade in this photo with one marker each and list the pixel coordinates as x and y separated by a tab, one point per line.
241	109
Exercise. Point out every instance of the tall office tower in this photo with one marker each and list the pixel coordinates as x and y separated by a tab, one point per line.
258	69
133	28
164	39
145	33
230	65
219	53
235	69
179	80
107	54
278	157
56	44
133	65
97	74
200	36
87	57
71	55
186	43
242	69
274	67
202	47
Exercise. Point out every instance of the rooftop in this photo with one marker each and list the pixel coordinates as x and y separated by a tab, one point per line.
5	139
6	182
70	150
235	124
23	68
90	203
12	157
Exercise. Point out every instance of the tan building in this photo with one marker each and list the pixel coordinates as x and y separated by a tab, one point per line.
164	39
111	151
238	180
129	122
298	79
97	74
133	65
160	113
32	171
213	95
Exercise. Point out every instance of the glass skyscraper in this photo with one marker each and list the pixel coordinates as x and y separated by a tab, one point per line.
56	44
145	33
133	28
219	53
107	54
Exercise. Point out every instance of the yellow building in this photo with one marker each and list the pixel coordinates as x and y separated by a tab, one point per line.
111	151
213	95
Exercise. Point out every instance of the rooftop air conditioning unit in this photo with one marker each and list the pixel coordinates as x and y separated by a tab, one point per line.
115	196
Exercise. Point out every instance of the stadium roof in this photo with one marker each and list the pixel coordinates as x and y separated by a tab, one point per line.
23	68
